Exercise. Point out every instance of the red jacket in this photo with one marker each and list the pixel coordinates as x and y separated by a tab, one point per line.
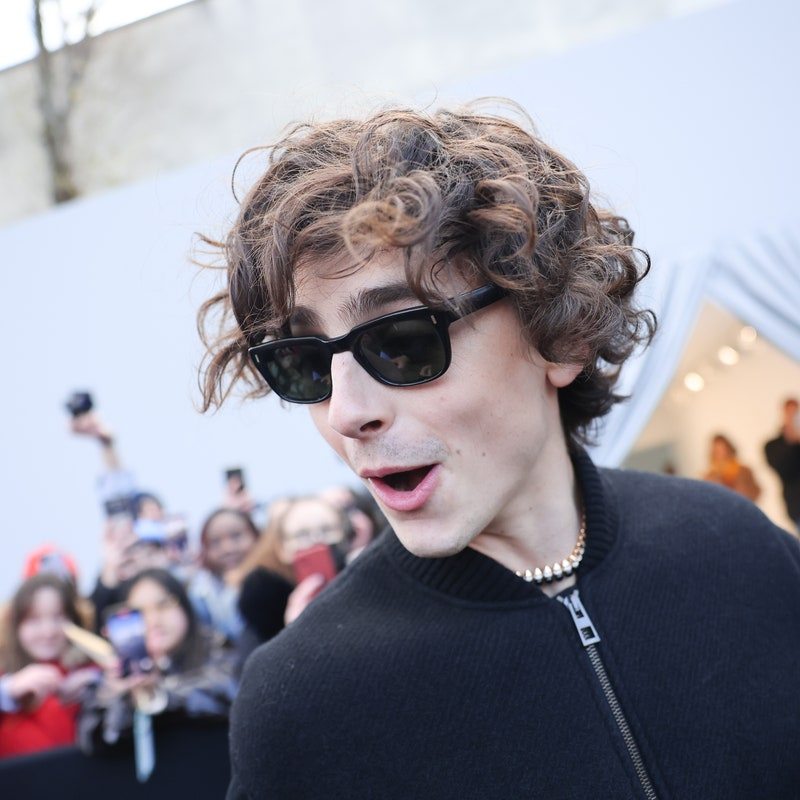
51	724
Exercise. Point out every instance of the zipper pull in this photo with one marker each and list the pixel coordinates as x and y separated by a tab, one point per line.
583	623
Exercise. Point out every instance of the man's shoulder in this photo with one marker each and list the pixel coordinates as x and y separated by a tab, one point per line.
687	515
665	492
307	681
637	483
336	620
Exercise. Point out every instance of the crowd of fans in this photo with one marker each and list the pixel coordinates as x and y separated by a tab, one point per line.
168	625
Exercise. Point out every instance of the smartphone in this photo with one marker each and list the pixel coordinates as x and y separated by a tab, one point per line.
153	531
315	560
234	478
79	403
125	629
117	490
122	506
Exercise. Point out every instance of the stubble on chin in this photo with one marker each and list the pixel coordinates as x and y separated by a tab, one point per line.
429	543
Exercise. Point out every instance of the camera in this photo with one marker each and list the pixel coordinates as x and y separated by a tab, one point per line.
79	403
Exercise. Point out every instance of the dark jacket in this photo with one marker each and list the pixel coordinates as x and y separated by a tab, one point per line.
453	678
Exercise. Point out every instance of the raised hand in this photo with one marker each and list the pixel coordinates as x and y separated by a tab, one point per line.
31	685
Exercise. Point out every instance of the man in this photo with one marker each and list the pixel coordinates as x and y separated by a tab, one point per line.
451	306
783	455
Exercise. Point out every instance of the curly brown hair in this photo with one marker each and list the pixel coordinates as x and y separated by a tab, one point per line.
459	193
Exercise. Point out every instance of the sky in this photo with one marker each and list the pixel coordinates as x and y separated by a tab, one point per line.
17	42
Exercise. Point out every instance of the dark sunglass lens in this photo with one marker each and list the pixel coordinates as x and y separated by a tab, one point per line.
300	372
405	352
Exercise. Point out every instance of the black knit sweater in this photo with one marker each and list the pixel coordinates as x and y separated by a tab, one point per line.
452	678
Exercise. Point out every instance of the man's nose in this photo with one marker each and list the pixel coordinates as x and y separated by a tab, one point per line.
360	406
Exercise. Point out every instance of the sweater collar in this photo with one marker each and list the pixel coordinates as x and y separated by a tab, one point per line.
470	575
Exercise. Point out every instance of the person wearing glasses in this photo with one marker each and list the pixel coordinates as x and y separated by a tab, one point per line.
452	306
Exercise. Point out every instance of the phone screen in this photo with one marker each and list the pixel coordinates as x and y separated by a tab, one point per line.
150	530
121	506
126	631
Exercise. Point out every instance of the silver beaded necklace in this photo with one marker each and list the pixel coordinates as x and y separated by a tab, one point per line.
559	569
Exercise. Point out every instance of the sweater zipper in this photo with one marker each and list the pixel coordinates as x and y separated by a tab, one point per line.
589	639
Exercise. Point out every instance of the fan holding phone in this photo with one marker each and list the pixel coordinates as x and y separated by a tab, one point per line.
165	663
302	549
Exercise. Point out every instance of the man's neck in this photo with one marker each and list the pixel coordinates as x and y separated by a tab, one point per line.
542	522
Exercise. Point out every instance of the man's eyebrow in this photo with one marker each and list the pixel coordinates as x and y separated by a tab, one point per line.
371	302
359	308
303	317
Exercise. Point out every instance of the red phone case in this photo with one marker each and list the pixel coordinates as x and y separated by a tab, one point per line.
316	560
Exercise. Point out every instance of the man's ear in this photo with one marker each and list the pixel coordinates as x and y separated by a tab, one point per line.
561	375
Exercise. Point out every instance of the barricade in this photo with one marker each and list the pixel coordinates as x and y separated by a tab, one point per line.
191	761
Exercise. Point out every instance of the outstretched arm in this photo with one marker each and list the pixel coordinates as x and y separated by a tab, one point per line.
91	425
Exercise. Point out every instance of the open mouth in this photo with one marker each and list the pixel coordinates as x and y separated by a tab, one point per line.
408	480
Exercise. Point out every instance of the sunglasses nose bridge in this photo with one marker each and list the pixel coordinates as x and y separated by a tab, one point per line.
348	343
342	344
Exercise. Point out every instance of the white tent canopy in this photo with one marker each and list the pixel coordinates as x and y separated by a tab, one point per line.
758	280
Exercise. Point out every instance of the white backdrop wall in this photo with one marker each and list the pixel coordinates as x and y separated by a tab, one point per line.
687	127
101	294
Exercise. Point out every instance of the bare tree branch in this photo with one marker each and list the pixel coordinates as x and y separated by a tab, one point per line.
60	76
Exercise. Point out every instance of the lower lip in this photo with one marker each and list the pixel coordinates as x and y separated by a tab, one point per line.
407	501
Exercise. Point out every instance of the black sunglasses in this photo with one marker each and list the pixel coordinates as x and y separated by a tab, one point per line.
405	348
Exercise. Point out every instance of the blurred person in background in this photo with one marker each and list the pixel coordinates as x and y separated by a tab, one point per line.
49	558
310	521
783	455
226	538
179	553
135	533
42	678
366	518
124	553
264	584
271	597
188	676
725	468
116	484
